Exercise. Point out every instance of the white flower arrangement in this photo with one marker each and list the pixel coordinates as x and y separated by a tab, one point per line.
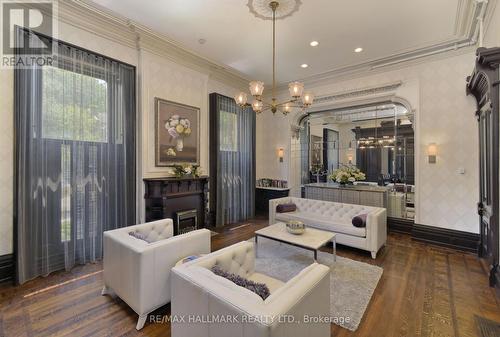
178	127
186	170
347	174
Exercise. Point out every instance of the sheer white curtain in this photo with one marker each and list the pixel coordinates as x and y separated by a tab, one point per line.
75	133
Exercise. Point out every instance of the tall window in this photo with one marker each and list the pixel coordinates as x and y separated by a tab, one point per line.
75	124
233	158
229	131
74	106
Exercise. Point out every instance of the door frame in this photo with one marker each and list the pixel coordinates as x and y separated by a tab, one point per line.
484	85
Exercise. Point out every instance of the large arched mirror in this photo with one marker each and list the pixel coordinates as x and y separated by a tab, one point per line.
373	143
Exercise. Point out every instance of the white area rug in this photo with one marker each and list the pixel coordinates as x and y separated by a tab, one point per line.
351	282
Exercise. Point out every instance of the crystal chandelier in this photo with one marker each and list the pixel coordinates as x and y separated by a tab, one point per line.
299	98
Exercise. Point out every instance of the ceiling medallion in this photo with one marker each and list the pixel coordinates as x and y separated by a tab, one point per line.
262	8
299	98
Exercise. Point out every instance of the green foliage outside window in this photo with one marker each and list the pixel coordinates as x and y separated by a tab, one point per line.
74	106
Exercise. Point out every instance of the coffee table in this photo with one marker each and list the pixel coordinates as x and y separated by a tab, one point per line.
312	239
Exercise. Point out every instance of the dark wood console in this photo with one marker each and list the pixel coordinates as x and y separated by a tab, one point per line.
164	197
264	194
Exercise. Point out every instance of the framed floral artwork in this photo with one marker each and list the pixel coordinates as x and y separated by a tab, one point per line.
177	137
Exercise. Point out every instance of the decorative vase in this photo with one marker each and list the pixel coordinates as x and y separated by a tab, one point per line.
180	144
295	227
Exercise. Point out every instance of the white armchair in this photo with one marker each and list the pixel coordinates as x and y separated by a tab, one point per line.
139	272
202	302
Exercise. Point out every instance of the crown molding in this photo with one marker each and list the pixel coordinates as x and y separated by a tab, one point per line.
464	40
81	15
466	19
98	20
348	94
150	41
386	92
376	94
368	69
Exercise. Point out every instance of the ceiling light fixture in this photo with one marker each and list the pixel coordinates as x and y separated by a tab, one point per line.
299	99
304	65
314	43
358	50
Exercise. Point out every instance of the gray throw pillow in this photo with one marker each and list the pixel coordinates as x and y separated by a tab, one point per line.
139	236
259	288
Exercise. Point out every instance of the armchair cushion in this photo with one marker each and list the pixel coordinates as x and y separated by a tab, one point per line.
154	231
272	283
139	236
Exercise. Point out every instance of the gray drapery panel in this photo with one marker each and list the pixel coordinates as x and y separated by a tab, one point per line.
236	156
75	158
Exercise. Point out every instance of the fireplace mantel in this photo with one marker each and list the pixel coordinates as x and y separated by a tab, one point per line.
166	196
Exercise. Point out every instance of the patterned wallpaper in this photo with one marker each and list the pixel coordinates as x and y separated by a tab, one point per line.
447	198
6	160
167	80
445	116
164	79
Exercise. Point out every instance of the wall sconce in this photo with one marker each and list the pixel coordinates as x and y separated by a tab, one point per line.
349	157
432	153
281	154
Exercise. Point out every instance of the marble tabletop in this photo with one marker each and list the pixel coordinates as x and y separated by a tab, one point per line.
370	188
312	238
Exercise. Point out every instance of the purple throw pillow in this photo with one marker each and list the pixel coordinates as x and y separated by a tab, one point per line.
285	208
359	220
259	288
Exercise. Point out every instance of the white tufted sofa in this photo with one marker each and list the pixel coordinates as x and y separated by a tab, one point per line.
198	294
139	272
337	217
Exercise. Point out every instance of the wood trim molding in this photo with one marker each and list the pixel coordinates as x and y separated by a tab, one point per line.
445	237
464	241
399	225
7	269
497	280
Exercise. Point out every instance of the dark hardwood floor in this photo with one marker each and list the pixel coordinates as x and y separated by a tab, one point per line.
424	291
